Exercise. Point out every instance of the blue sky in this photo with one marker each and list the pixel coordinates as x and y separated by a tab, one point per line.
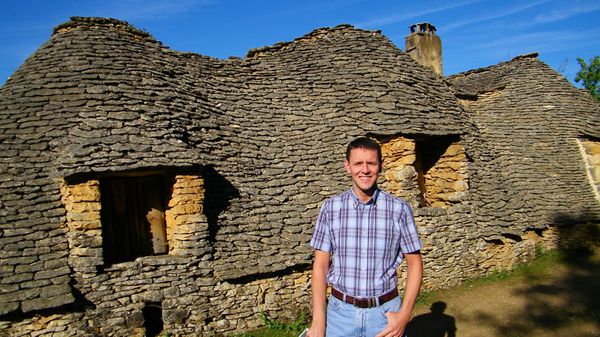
475	33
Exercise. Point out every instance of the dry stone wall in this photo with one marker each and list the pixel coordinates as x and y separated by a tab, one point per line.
248	150
186	224
84	228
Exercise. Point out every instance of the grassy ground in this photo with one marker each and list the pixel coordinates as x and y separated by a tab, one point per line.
556	295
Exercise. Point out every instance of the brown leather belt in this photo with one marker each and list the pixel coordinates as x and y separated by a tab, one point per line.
364	302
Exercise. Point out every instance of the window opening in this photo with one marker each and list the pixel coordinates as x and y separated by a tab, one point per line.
590	151
431	178
133	217
427	171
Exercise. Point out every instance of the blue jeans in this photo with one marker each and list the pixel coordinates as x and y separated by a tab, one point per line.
346	320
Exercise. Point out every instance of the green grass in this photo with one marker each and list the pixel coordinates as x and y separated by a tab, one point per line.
541	265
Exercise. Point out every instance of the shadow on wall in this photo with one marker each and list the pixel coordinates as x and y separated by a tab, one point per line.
218	193
578	236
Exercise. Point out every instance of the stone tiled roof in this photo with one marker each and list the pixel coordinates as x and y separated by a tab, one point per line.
528	171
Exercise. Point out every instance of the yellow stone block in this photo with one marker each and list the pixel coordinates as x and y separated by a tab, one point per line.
594	160
449	176
454	165
591	147
595	173
84	207
407	159
188	208
88	191
460	185
454	150
184	190
85	225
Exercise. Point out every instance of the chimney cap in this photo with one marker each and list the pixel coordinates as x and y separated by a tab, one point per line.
423	27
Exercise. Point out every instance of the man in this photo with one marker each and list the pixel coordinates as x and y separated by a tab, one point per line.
360	239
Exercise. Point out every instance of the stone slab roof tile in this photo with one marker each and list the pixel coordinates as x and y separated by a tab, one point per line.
526	113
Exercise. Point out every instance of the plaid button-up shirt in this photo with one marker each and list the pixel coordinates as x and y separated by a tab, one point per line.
366	241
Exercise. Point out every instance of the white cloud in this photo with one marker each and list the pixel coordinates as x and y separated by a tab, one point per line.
497	15
567	12
142	10
542	42
406	15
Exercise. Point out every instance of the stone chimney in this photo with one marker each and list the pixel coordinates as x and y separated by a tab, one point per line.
424	46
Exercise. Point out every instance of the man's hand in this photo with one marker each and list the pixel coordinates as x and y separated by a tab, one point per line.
397	322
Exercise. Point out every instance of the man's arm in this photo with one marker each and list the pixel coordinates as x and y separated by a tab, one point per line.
319	293
397	321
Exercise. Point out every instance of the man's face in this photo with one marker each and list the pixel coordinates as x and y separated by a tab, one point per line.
363	166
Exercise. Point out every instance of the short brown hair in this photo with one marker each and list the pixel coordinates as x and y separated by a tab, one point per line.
364	143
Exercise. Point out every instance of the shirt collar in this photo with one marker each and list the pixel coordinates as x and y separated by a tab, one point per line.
357	202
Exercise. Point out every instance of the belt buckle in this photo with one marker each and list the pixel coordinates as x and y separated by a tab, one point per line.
372	302
369	302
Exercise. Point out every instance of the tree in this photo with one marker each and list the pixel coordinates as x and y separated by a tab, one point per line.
590	75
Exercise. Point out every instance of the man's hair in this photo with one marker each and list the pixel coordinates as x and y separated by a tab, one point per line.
364	143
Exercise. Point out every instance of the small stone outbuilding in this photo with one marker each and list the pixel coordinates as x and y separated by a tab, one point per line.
145	190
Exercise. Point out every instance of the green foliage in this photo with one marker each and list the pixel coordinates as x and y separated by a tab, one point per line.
590	75
297	325
277	329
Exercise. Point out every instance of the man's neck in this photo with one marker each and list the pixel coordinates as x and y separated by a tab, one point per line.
364	196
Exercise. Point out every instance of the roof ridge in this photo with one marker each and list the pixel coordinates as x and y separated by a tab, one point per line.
94	21
314	34
492	66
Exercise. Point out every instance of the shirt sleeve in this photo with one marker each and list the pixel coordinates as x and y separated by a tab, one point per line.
409	239
320	238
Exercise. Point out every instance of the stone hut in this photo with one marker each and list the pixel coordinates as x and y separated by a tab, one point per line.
145	190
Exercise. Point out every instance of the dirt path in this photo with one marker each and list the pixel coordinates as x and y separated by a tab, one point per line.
562	302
